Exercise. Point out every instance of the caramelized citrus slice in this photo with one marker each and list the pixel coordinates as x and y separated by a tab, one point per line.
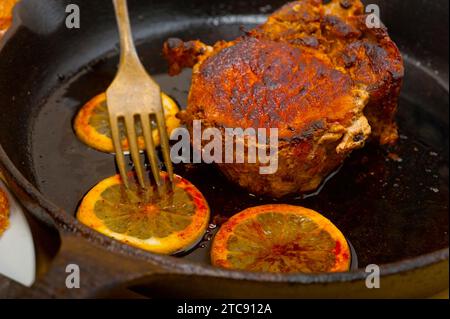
6	7
164	224
4	211
92	124
280	239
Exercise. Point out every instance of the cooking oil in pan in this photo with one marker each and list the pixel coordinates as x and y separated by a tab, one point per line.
390	203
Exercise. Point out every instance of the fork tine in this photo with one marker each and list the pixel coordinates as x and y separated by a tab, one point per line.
120	158
150	147
134	149
160	119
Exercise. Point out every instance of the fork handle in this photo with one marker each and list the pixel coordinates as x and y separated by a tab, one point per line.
126	36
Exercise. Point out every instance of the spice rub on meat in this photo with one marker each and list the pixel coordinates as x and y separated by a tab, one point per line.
315	71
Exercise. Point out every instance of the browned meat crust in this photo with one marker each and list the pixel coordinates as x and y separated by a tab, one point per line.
338	29
182	55
314	71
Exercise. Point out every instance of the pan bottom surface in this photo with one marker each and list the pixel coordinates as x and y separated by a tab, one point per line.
390	203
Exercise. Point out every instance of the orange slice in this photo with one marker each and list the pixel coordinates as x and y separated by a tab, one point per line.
280	239
92	124
4	211
6	7
162	224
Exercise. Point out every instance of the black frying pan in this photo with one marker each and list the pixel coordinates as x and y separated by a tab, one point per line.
394	213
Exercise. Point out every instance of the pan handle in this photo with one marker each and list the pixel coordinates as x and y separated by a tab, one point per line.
101	270
83	269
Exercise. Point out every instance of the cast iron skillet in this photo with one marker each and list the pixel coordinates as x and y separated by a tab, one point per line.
390	203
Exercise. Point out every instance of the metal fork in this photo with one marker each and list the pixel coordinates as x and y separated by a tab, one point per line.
134	94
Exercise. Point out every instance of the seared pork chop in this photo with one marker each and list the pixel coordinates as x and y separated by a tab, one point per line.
315	71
